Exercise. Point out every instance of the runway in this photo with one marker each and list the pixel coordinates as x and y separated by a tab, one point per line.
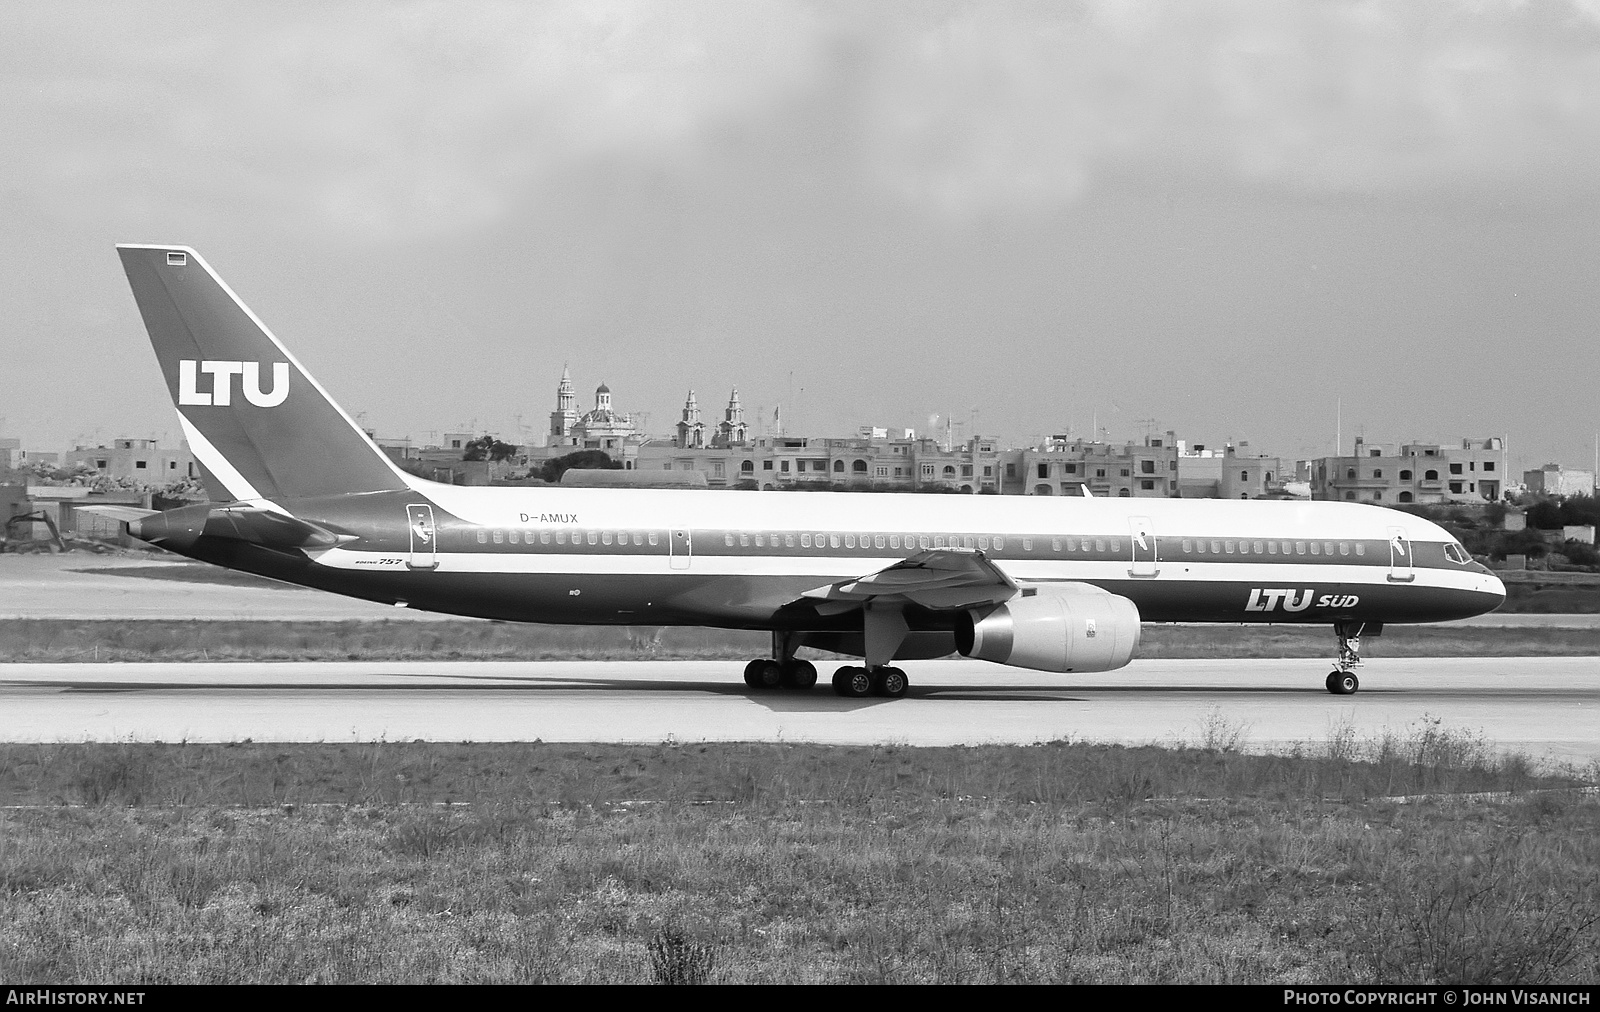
1548	707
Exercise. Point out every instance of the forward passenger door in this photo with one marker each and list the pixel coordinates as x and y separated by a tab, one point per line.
1142	546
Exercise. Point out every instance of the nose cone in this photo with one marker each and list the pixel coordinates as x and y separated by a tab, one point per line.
1492	589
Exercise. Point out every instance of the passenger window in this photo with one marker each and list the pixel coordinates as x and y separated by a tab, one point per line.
512	537
561	537
544	537
1327	548
999	544
1272	548
969	542
483	537
744	541
605	537
788	541
653	537
1055	544
849	540
1256	547
1286	548
983	544
1027	544
878	541
1216	548
1227	546
498	537
594	536
727	539
1361	549
805	541
1299	548
938	541
1344	548
761	541
1316	549
1116	545
922	541
638	538
894	541
833	541
1188	546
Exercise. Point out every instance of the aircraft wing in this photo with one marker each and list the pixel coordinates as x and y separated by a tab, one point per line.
941	579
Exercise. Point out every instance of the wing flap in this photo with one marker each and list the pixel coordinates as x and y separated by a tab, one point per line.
940	579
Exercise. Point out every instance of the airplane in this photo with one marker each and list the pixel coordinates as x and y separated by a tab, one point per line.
1056	584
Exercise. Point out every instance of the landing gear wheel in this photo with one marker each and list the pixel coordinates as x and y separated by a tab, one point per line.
852	682
799	674
889	682
1343	683
763	673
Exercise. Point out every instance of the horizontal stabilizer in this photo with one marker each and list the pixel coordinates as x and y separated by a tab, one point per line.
124	514
181	528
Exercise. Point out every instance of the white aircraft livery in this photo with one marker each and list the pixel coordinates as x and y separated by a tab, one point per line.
1047	583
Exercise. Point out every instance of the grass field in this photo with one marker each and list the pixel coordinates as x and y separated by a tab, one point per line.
160	640
788	863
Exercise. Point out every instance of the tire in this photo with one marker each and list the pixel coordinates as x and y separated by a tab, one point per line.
1343	683
751	677
800	675
890	683
852	682
768	674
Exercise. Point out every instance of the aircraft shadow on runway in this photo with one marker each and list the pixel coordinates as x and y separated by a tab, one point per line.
817	700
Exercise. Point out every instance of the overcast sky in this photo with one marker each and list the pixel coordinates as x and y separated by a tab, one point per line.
1225	217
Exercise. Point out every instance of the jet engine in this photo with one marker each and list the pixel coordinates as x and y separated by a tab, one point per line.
1064	627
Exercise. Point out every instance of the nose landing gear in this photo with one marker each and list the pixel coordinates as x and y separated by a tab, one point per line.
1342	680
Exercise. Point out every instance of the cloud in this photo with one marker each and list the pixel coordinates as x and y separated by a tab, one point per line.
404	120
991	108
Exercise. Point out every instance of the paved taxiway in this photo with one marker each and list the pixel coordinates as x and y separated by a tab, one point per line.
1545	706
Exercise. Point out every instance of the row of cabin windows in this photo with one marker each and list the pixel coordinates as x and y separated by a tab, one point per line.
803	540
1270	547
916	541
561	537
894	541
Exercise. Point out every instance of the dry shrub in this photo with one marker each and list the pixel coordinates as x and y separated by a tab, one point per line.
676	958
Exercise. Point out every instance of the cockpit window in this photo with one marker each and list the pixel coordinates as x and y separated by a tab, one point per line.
1455	553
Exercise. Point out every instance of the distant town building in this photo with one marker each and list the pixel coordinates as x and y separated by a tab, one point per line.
603	428
1230	473
1553	479
1065	466
1474	471
141	460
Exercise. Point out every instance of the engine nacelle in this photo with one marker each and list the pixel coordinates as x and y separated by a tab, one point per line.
1065	627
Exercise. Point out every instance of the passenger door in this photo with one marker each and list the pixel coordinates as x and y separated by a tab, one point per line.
1142	546
681	546
1400	570
424	537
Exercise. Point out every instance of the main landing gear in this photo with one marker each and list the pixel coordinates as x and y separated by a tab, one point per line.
855	682
1342	680
783	670
766	673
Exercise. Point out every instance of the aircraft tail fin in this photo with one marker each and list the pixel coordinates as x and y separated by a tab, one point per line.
258	423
